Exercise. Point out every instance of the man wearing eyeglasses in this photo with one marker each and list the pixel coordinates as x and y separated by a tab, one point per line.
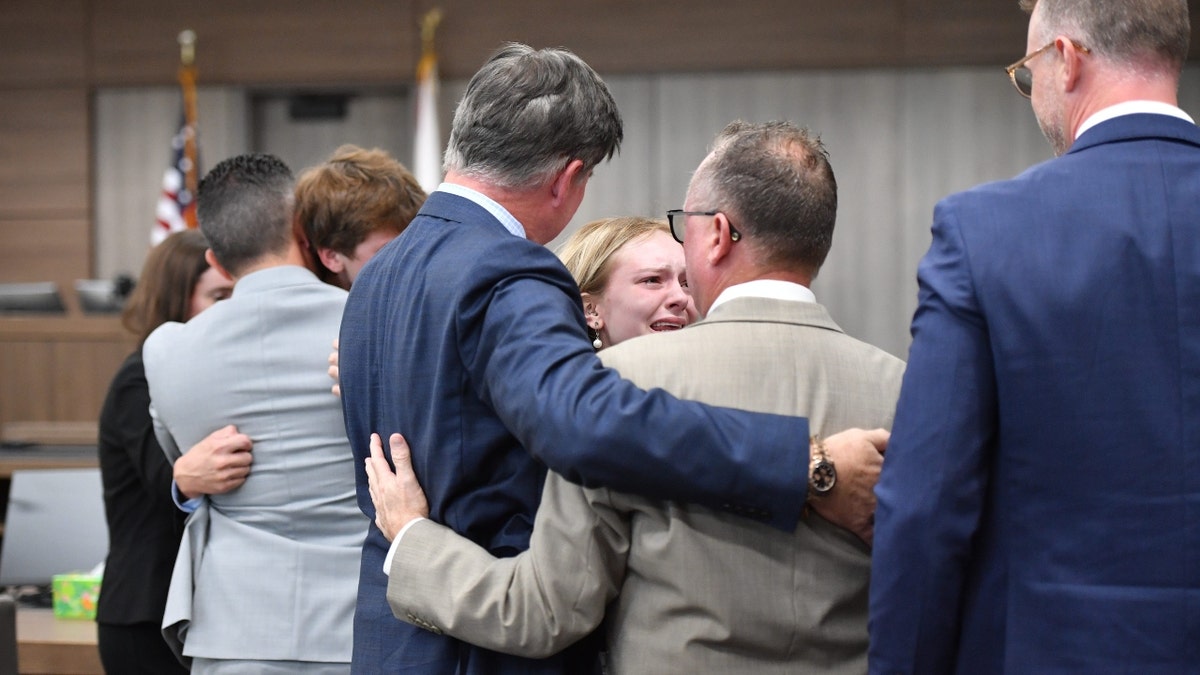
1039	509
689	589
467	334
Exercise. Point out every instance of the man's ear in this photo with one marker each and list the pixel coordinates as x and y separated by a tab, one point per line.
1072	63
212	262
332	260
298	233
719	239
565	179
306	250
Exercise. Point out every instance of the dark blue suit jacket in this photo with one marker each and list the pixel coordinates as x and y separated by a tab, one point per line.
1039	507
471	342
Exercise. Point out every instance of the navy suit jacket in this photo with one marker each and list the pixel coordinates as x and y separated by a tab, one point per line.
1039	506
471	341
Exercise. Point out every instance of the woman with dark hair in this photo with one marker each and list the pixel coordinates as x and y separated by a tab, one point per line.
144	525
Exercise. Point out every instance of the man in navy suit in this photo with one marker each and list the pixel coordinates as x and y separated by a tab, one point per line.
1039	508
468	335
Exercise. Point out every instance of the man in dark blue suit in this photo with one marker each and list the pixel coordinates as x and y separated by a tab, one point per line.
1039	508
467	335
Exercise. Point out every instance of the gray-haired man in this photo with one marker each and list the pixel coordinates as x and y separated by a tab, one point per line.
468	335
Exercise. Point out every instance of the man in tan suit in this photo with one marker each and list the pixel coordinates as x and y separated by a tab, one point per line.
695	590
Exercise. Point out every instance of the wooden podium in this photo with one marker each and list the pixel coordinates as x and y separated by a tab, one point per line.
47	645
54	375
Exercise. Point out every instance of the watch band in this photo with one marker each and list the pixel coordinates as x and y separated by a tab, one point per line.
822	475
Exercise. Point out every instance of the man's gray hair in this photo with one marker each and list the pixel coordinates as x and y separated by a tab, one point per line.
774	182
244	205
527	113
1130	32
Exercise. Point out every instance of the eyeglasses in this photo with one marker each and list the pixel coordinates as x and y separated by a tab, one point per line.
677	218
1022	76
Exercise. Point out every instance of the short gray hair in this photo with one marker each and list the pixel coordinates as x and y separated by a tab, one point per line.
1126	31
527	113
244	206
775	183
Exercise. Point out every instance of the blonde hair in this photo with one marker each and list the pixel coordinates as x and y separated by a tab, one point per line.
588	253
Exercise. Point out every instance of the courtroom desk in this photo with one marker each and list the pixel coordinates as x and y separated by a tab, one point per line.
47	645
80	432
47	457
57	369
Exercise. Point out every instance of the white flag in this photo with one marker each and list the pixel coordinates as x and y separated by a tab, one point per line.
427	145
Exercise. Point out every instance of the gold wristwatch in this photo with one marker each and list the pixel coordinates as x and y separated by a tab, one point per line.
822	475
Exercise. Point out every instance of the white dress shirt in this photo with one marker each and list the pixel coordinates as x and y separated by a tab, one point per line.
1131	108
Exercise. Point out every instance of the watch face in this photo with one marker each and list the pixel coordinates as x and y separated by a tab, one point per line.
823	477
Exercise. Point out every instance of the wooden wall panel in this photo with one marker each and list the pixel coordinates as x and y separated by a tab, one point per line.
44	151
46	250
625	36
82	371
42	43
26	388
261	42
133	42
937	32
128	42
945	32
633	36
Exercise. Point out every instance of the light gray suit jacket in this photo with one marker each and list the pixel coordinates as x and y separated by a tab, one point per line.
695	590
270	570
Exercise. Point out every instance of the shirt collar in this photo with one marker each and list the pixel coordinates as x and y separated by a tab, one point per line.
493	207
773	289
273	277
1130	108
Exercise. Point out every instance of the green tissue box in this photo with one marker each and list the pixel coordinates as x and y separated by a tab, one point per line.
75	595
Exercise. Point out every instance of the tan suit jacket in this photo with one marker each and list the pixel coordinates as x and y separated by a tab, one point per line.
695	590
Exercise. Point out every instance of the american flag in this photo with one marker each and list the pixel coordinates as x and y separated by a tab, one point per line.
177	202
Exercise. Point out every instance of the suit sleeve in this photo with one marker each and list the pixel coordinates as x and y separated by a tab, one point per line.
133	431
543	379
153	369
934	476
534	604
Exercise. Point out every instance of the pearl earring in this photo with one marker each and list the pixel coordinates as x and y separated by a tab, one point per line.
597	344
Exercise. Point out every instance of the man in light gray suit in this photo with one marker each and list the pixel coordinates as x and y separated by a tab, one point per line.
267	574
695	590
